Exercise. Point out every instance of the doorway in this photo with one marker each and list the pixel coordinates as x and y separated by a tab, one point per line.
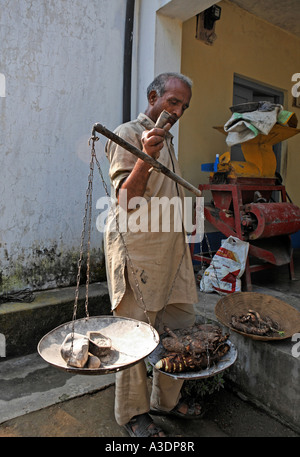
249	91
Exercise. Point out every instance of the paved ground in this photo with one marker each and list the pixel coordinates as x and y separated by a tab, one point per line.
91	415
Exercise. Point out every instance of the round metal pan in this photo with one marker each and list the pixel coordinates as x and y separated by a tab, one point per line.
132	341
225	362
287	317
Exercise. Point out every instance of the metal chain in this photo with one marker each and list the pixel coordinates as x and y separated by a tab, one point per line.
90	195
141	298
87	218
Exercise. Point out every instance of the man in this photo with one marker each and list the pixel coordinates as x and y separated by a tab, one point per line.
150	273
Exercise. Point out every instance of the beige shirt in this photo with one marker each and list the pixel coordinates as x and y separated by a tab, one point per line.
153	254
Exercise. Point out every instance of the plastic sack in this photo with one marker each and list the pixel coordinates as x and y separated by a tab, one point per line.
226	268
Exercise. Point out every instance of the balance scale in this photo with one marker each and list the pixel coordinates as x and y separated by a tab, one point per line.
132	340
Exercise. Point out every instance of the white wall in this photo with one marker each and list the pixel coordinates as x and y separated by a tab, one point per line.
62	61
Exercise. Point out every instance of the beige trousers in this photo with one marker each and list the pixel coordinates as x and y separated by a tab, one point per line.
132	396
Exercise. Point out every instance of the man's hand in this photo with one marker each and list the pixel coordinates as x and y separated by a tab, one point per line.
153	141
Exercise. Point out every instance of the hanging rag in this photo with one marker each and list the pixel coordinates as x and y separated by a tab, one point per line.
244	126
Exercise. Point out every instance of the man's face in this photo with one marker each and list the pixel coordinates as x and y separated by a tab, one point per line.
175	100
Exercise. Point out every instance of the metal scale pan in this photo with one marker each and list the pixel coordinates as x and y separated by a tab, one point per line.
132	341
225	362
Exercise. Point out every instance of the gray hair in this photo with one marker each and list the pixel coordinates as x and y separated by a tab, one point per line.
159	83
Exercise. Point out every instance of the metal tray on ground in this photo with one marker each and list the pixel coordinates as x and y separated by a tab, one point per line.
132	341
225	362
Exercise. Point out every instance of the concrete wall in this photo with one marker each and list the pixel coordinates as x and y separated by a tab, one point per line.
246	46
62	64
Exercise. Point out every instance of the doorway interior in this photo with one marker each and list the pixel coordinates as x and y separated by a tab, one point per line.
245	90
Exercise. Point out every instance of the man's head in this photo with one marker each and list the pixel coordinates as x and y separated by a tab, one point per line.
171	92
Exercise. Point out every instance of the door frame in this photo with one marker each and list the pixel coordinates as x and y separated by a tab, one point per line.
265	90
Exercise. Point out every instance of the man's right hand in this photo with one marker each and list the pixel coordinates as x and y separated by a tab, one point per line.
136	182
153	141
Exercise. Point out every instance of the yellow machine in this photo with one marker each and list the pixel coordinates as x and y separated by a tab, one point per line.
243	203
260	160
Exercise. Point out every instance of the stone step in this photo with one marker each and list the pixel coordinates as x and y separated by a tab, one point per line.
22	325
29	384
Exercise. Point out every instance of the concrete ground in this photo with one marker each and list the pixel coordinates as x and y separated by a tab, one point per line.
91	415
38	400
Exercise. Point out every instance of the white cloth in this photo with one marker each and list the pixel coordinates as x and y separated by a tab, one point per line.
243	127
